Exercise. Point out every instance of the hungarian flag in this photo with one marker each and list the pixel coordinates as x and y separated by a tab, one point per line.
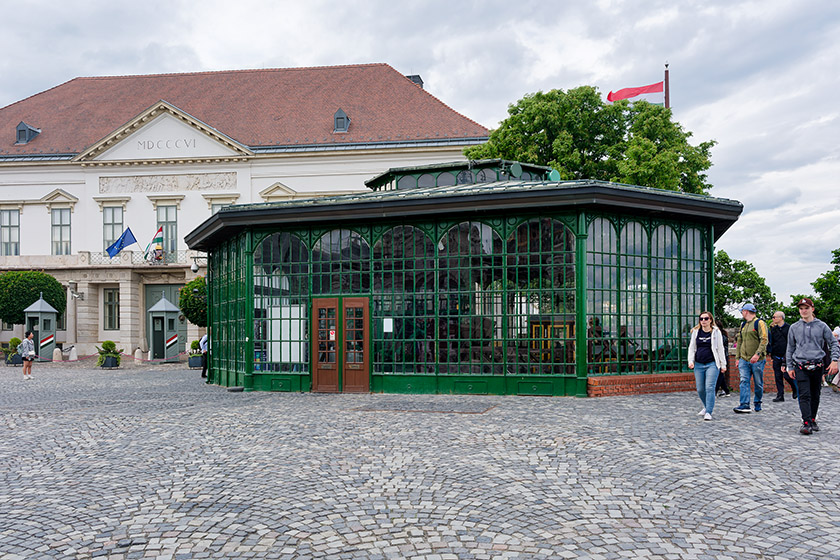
653	93
157	239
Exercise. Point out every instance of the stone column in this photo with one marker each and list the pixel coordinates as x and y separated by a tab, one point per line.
87	318
131	313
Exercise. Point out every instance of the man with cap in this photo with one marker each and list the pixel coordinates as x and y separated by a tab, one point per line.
808	340
751	347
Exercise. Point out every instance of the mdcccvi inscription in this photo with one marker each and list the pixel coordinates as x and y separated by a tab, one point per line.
177	143
168	183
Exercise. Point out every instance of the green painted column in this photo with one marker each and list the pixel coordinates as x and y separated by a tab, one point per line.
580	305
248	257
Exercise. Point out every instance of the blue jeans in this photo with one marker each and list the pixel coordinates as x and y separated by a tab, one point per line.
706	375
756	372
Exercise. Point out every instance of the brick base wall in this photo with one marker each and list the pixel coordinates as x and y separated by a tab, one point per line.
609	385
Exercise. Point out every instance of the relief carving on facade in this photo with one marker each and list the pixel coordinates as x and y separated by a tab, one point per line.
168	183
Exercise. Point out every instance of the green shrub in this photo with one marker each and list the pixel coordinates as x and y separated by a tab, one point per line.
109	348
195	347
21	288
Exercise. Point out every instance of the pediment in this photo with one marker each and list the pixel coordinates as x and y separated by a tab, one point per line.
164	134
279	191
59	198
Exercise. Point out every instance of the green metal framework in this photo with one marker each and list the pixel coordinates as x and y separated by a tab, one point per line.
491	305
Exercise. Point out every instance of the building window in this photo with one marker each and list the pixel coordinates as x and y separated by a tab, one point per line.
61	323
9	232
167	218
112	309
8	326
112	224
341	120
61	231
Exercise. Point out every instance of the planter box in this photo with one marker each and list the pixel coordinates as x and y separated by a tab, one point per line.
14	360
110	362
195	361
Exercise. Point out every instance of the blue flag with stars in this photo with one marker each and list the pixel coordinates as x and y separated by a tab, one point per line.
127	238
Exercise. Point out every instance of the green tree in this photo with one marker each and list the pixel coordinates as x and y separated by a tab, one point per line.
582	137
20	289
192	299
736	283
827	287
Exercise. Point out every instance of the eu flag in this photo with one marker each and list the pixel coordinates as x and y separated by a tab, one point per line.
127	238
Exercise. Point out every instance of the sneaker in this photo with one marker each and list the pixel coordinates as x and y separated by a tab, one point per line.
725	394
702	412
742	409
814	426
758	407
779	399
707	416
805	430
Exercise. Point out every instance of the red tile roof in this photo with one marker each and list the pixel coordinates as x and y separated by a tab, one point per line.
277	107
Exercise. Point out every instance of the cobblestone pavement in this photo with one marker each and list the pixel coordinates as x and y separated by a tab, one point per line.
148	462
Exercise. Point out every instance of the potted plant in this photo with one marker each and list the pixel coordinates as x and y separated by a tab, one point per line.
12	357
109	356
195	355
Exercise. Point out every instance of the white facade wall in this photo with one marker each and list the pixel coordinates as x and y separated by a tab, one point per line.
119	176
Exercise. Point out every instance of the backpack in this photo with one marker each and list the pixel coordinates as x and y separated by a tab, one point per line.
769	346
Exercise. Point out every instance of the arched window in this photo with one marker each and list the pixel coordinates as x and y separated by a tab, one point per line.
281	298
340	263
602	297
540	280
694	277
470	285
404	302
665	302
634	283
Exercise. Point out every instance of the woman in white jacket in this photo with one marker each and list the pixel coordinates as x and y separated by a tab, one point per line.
707	357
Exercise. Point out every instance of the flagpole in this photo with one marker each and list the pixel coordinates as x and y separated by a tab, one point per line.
667	88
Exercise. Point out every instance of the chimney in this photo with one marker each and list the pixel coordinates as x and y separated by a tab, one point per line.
416	79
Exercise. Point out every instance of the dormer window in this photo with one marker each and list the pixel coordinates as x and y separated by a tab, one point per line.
25	133
341	120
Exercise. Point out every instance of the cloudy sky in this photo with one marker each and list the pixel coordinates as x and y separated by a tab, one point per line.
760	77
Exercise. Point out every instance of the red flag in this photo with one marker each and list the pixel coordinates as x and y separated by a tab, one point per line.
627	93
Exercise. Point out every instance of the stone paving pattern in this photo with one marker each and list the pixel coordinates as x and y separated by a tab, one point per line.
149	462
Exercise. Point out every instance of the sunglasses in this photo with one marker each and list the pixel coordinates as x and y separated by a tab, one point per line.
705	318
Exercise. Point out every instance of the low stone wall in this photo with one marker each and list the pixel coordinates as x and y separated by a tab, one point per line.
610	385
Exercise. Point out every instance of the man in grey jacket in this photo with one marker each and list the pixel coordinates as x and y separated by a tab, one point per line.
808	340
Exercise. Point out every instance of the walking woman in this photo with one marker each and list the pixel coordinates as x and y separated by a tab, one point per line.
707	357
27	351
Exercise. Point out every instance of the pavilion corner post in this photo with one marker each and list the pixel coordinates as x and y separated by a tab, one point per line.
580	305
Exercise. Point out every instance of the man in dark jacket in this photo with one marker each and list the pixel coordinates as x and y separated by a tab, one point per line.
777	347
807	340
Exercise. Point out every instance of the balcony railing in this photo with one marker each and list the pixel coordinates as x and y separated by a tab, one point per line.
101	258
138	258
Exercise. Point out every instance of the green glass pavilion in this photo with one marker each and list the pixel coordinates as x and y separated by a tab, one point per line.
467	277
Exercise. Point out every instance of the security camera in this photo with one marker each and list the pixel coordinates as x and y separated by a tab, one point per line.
194	267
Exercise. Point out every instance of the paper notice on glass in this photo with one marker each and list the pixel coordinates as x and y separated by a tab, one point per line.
387	324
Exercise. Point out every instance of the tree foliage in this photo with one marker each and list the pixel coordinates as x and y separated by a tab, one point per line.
582	137
736	283
21	288
193	304
827	288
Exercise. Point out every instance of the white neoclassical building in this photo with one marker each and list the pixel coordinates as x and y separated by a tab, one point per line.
83	161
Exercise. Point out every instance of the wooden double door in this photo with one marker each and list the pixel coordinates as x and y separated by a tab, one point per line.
341	345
